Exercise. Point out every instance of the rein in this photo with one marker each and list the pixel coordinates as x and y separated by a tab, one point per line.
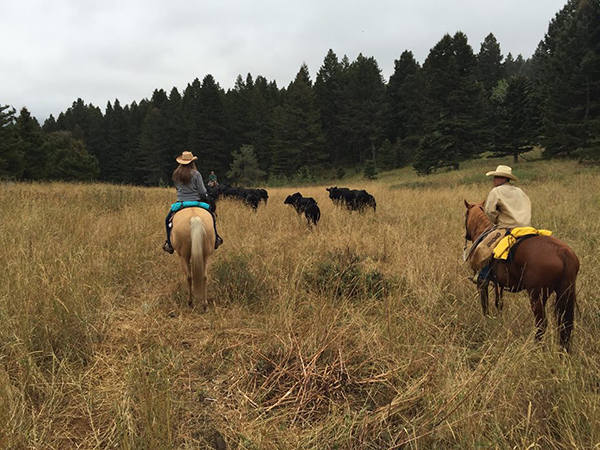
467	254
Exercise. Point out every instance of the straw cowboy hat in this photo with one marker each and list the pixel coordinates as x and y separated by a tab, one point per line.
502	171
186	158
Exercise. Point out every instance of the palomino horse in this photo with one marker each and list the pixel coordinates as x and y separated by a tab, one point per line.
541	265
193	237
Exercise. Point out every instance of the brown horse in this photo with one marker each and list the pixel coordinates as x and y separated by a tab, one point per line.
541	265
193	237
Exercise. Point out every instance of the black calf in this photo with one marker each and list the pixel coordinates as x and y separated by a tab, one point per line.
355	200
312	214
250	197
298	202
252	201
306	205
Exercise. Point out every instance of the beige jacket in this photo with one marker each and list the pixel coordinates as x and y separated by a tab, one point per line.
508	207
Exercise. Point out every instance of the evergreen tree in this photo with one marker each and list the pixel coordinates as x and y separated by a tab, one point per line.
387	156
364	109
249	106
155	164
84	122
135	171
239	118
454	135
512	66
370	171
116	145
406	100
159	98
265	98
517	126
49	124
212	123
175	130
191	115
329	88
245	169
31	140
68	159
489	63
12	161
570	59
299	139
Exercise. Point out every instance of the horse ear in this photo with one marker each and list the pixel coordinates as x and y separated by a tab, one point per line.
467	204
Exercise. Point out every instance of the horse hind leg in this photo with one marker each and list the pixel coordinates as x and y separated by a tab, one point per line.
482	287
499	297
538	298
565	314
187	270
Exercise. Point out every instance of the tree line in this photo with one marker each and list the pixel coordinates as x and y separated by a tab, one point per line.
454	107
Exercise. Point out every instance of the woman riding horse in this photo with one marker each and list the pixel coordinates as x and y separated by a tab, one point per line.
190	188
194	234
541	265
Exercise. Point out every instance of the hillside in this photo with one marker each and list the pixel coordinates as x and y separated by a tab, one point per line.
363	333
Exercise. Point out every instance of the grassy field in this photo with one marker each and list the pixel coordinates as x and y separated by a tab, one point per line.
363	333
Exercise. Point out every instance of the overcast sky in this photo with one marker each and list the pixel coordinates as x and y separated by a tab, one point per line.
54	51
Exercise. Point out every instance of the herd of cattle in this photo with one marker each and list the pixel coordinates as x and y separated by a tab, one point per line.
353	199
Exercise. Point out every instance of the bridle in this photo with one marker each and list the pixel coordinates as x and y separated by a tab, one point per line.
468	234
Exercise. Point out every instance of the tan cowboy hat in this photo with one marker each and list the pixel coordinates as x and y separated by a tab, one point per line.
186	158
502	171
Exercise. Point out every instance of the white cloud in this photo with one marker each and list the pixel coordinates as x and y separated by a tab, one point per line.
102	50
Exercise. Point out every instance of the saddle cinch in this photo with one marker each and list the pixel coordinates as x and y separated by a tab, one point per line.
499	243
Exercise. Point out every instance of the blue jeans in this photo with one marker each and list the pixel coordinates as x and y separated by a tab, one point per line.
484	273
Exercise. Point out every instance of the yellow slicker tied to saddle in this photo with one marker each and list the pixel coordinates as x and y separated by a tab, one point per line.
502	250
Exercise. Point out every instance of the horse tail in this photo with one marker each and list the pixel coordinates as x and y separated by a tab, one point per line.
566	296
197	235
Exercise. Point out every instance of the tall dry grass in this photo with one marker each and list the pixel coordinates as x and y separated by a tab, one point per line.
361	333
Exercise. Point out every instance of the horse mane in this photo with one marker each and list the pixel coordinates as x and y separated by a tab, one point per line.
477	220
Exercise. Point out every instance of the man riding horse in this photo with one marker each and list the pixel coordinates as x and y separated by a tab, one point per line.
520	258
507	207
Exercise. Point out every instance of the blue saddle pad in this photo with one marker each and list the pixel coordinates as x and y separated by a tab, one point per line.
180	205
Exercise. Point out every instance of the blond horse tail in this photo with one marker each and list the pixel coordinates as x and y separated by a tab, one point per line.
197	234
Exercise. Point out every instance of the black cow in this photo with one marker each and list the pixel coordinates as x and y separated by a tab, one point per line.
312	213
306	205
335	194
365	200
263	194
250	197
353	199
252	201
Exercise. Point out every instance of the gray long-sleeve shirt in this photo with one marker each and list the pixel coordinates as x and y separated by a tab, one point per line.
191	192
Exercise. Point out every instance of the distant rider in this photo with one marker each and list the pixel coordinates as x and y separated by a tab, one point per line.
212	180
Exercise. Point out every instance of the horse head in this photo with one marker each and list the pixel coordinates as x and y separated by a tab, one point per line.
475	220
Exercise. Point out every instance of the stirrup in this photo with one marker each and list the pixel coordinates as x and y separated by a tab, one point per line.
167	247
218	242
